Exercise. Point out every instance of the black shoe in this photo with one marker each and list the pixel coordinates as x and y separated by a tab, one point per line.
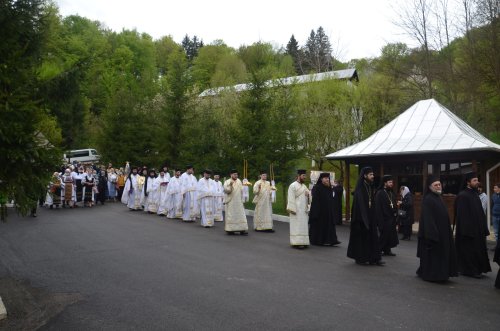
243	233
336	243
230	233
389	254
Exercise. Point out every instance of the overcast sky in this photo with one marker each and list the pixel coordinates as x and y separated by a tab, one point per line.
357	28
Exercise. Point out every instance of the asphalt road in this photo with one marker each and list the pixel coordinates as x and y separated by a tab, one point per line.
135	271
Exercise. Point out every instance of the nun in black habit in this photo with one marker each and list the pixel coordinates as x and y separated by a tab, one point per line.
363	240
435	238
472	230
322	213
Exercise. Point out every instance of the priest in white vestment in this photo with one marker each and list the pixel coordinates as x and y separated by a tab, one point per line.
174	196
236	220
263	215
298	207
189	185
205	196
218	199
162	181
132	192
152	189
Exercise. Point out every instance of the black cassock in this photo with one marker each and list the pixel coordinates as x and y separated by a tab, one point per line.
337	204
435	248
385	214
470	237
322	216
363	239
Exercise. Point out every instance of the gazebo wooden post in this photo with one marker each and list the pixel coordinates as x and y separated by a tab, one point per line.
347	181
425	173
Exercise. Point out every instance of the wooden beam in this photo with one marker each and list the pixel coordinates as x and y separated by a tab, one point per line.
347	186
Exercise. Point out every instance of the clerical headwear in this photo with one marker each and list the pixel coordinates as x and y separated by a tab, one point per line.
366	171
470	175
386	178
301	172
207	171
233	171
431	179
324	174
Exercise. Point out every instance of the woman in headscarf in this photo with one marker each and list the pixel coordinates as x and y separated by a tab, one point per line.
405	213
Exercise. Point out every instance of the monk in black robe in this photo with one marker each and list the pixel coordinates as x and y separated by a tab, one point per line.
472	231
322	214
435	248
386	216
363	240
338	191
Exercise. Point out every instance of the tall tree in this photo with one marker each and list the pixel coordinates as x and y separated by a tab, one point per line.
27	157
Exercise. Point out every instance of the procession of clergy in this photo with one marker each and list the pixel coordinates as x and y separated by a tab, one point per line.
373	224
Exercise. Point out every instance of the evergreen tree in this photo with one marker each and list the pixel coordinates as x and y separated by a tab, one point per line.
26	155
292	49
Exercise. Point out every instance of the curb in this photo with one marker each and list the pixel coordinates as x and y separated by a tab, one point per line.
3	311
276	217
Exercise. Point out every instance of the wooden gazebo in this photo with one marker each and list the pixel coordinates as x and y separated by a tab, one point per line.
425	139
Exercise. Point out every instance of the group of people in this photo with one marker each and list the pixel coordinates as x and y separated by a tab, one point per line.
84	185
373	229
376	213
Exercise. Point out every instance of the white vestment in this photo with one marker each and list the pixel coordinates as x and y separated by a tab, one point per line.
174	198
151	201
162	195
263	216
218	201
190	206
236	219
298	207
205	196
132	192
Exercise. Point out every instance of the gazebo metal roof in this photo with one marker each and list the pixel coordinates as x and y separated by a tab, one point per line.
426	127
337	74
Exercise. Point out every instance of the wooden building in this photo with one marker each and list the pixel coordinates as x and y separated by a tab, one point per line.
425	139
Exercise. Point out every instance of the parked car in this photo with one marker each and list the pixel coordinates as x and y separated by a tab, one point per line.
82	155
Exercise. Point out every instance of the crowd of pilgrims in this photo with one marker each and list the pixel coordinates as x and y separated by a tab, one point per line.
377	214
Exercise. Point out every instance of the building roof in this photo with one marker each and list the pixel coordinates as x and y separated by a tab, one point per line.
426	127
348	74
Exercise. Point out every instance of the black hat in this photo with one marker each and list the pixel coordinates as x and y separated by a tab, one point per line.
263	172
233	171
189	166
301	172
207	171
324	174
386	178
470	175
366	170
431	179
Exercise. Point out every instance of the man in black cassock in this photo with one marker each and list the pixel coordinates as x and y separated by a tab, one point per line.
496	259
363	240
338	191
472	230
321	215
385	214
435	249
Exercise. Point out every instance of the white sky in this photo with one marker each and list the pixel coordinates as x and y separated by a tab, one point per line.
356	28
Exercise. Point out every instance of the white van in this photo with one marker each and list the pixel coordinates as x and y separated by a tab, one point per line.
82	155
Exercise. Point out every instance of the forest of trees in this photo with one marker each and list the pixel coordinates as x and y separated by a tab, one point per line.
79	85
